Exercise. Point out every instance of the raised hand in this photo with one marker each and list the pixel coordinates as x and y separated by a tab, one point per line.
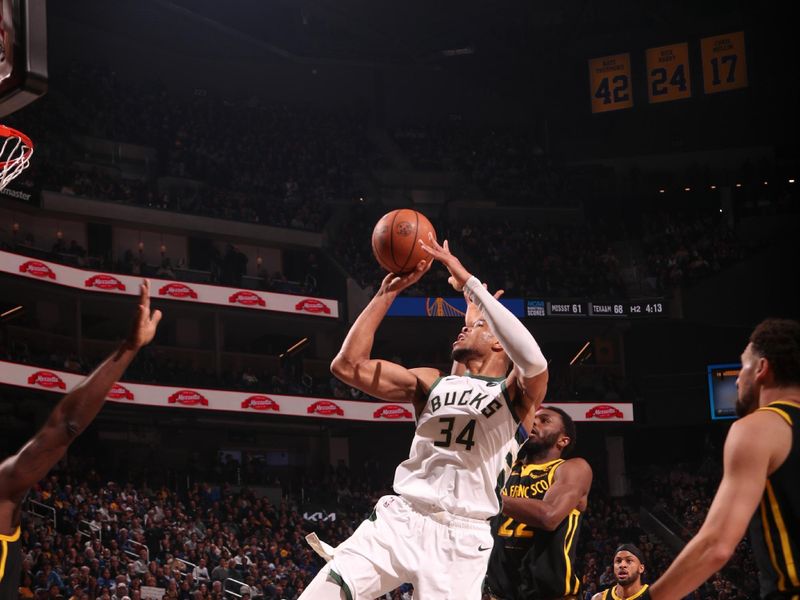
397	283
145	323
458	274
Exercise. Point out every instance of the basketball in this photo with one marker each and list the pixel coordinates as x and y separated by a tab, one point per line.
395	240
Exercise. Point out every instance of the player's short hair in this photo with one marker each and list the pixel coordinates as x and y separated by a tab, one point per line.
568	429
778	340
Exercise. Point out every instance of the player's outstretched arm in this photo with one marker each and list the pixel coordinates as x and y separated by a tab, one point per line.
382	379
530	366
571	484
76	410
752	445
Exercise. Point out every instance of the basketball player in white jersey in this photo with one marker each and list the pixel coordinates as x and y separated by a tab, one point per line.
435	533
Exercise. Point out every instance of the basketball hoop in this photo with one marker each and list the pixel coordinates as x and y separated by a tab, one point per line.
16	149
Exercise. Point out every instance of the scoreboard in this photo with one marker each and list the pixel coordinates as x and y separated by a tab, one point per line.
571	308
455	307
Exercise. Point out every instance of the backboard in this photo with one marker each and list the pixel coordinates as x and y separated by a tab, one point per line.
23	53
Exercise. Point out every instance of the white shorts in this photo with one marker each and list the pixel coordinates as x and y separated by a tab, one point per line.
444	556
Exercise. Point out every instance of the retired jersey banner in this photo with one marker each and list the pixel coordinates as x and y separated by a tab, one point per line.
668	73
139	394
24	266
610	82
724	62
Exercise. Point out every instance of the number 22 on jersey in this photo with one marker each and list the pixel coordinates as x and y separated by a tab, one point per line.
509	529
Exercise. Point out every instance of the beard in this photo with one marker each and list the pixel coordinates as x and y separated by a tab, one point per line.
629	579
462	355
746	401
533	448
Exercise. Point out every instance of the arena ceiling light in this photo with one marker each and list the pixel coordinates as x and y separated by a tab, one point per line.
465	51
294	348
579	354
11	312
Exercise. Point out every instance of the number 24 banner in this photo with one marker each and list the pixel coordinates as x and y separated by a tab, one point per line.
668	75
610	81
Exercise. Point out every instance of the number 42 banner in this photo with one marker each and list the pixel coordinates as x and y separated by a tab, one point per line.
610	81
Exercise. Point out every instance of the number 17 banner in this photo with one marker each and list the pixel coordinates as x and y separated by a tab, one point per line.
668	73
724	62
610	82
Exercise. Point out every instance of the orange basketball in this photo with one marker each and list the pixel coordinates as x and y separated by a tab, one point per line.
394	240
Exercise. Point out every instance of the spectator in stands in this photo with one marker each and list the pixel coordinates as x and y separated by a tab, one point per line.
221	572
200	572
141	563
241	560
120	591
165	269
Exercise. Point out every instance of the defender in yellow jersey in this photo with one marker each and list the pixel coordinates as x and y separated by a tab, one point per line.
69	418
536	535
628	569
760	479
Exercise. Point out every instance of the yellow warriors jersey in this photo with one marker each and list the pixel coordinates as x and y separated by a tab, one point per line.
610	594
464	440
775	528
10	565
528	564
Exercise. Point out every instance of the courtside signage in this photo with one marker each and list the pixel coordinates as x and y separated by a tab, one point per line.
139	394
128	285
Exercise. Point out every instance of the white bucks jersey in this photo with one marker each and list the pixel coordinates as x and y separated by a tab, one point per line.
463	447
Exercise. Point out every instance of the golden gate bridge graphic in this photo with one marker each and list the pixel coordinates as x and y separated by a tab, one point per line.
439	307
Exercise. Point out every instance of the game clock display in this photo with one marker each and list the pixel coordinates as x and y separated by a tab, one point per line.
650	309
568	308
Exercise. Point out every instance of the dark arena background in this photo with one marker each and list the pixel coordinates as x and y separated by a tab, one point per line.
625	171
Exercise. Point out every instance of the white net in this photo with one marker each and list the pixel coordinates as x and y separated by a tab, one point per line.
15	154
